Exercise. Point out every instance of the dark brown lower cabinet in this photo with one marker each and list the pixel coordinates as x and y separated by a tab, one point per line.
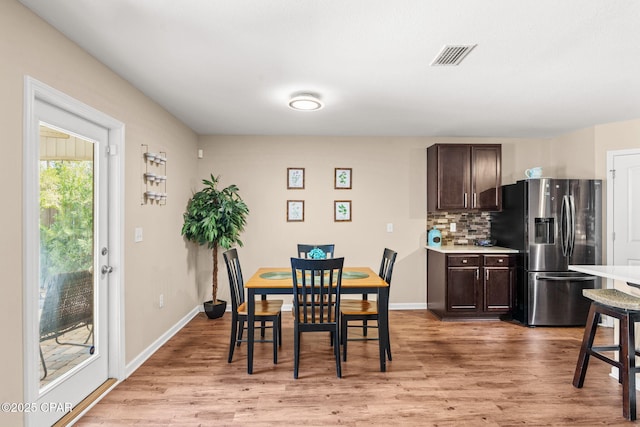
470	285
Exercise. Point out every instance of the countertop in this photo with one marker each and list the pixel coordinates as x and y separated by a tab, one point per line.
472	249
625	273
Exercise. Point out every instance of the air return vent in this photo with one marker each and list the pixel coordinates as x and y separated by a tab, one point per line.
452	54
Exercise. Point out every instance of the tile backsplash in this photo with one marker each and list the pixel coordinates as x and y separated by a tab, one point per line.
469	226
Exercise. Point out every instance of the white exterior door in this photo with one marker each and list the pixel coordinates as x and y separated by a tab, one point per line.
72	310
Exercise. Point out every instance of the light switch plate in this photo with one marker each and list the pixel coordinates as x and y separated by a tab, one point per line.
138	235
389	228
452	227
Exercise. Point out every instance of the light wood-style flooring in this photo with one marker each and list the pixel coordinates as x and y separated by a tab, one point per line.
488	373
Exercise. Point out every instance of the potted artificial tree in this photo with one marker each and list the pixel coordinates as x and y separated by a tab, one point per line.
215	218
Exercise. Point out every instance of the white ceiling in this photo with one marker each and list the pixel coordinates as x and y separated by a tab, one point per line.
541	67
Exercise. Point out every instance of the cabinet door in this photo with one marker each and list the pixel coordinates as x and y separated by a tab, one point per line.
498	285
462	288
486	177
454	177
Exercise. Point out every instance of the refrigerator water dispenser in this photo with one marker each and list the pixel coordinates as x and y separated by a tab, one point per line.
544	231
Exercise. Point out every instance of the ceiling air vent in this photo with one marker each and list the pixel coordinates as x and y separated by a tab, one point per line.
452	54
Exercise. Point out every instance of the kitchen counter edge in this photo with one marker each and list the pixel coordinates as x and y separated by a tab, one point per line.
471	249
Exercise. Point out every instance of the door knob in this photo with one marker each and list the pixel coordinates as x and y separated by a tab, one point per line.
106	269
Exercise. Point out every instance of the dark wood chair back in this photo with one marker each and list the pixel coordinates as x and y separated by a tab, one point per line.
316	302
236	281
316	290
386	265
304	249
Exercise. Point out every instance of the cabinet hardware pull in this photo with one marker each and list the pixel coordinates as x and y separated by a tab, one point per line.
475	204
464	261
500	260
487	274
465	200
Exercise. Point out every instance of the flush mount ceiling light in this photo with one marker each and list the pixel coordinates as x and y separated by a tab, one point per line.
305	102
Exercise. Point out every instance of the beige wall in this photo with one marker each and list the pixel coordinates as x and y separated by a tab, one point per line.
389	186
29	46
572	155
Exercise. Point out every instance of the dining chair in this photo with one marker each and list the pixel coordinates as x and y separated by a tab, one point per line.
316	302
304	249
364	310
265	310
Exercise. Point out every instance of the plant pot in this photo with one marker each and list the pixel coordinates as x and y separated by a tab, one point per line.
216	310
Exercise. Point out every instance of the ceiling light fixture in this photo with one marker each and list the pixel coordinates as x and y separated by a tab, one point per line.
305	102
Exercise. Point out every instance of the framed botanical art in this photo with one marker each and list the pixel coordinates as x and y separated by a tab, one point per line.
342	210
295	210
295	178
342	179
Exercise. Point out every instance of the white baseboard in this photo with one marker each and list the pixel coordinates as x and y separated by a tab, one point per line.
408	306
148	352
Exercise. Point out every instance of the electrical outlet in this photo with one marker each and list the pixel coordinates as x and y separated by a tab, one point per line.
452	227
389	228
161	302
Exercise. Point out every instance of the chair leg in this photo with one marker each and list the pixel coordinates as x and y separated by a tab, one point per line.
240	331
296	352
280	330
387	339
628	359
275	340
389	349
336	349
587	342
44	365
232	344
262	329
364	328
344	326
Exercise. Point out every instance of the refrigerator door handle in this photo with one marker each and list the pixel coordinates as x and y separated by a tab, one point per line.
565	225
566	278
572	225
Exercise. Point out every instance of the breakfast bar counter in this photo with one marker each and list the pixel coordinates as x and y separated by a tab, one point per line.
625	273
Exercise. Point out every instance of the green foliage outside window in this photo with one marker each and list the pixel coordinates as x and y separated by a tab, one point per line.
66	216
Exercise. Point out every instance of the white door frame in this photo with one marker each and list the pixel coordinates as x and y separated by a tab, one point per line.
35	90
610	156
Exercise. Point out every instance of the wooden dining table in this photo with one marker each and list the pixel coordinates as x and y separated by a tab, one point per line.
355	280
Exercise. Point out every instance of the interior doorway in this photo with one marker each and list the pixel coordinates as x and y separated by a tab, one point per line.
623	207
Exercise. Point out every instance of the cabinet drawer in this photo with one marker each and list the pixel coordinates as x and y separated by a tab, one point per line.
463	260
498	261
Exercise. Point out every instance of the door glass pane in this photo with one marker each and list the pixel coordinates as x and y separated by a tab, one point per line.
66	252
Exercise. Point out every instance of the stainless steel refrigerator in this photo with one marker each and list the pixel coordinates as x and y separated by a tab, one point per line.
553	223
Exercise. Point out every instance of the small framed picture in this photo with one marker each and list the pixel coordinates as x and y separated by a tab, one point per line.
295	178
295	210
342	179
342	210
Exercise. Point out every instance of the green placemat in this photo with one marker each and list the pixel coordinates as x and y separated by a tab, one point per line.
280	275
354	275
276	275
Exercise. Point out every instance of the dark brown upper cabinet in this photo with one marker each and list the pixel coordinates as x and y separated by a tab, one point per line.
464	177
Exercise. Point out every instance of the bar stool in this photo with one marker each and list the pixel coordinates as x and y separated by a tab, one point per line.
626	309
